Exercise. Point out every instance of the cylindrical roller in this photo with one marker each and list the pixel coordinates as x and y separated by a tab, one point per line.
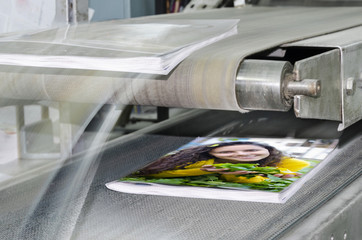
260	85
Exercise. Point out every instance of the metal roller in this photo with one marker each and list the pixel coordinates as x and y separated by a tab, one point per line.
270	85
260	85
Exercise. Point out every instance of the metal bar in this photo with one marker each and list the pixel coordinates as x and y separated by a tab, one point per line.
77	11
20	122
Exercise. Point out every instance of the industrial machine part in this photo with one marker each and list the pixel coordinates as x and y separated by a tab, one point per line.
320	74
263	67
335	67
346	78
197	5
313	85
269	85
214	76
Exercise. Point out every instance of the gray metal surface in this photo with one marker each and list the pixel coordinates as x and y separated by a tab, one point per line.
77	11
306	87
36	210
326	68
260	85
348	77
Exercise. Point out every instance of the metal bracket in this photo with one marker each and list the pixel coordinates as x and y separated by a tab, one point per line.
341	70
326	68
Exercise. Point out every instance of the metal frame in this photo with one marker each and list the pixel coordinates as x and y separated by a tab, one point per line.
326	68
348	43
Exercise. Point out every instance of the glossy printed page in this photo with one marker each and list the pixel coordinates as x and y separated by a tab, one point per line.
247	169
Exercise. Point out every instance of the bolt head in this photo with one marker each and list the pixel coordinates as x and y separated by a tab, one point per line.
350	86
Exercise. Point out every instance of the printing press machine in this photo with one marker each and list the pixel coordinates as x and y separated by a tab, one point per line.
287	72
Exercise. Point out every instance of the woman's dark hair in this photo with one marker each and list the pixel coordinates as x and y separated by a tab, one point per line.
188	156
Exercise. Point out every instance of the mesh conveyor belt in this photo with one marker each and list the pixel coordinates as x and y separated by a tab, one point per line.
112	215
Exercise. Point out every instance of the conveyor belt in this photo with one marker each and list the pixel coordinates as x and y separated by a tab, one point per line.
205	79
94	212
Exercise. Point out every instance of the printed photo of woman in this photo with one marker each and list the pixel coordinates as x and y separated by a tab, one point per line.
205	159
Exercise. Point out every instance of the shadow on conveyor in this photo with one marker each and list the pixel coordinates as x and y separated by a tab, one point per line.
73	202
254	124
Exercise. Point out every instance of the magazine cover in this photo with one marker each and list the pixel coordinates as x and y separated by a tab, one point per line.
243	169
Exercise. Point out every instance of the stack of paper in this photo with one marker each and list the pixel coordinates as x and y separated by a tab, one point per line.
150	47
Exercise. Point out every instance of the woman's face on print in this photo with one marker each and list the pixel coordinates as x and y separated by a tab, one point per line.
240	153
